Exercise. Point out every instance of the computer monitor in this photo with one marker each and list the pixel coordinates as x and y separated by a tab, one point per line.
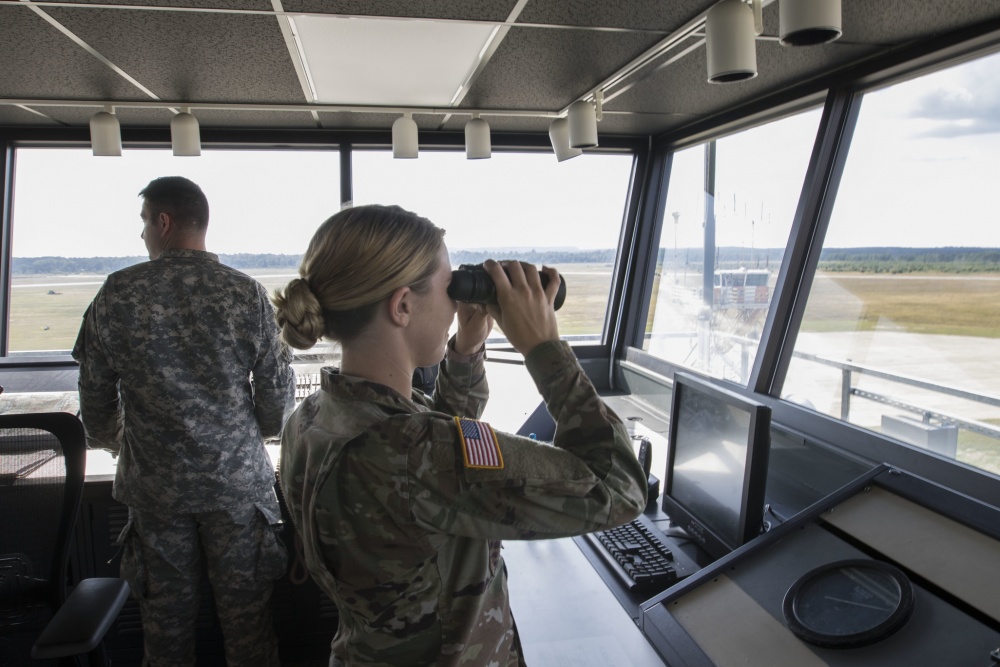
539	424
716	464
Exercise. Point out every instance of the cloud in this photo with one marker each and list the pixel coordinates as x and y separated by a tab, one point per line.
965	100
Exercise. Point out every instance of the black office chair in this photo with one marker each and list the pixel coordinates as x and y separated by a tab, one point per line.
42	461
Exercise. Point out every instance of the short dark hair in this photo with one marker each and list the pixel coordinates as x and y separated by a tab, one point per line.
179	197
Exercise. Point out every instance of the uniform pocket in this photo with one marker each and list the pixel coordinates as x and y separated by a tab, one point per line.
272	559
133	567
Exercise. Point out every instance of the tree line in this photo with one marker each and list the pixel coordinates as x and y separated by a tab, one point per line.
911	260
853	260
247	261
859	260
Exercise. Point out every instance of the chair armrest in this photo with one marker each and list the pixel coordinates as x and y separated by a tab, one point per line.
84	618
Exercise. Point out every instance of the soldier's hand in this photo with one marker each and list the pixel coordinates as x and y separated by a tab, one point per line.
474	327
524	309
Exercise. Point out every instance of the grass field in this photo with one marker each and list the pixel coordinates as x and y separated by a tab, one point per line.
966	305
46	310
917	303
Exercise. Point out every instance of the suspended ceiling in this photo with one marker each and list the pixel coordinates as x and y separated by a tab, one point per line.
282	63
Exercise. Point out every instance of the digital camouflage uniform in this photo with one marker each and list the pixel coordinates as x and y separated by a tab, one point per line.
405	536
167	351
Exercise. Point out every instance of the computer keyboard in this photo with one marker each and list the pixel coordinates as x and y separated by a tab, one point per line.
641	556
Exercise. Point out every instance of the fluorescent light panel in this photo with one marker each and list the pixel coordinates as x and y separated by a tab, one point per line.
350	59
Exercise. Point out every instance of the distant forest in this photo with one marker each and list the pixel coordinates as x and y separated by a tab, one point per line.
853	260
858	260
246	261
911	260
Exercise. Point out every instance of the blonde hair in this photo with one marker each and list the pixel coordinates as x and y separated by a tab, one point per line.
355	260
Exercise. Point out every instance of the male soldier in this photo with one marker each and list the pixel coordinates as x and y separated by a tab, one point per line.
182	375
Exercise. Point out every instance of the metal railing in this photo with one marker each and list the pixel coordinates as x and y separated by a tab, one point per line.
740	365
849	369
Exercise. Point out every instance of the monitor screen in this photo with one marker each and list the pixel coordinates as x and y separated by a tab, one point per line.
539	425
716	464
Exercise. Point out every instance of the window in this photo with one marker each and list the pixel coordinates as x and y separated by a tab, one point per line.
76	219
901	333
714	325
521	206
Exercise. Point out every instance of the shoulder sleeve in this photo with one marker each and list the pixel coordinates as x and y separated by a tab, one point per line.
273	377
461	387
101	408
587	480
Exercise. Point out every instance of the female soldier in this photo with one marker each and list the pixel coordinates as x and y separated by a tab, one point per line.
401	501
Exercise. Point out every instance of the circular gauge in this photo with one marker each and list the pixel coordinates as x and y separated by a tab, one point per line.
848	603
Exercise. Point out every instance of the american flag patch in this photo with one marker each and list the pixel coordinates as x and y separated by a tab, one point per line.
480	448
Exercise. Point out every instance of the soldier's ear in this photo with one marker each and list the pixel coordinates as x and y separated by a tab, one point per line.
400	306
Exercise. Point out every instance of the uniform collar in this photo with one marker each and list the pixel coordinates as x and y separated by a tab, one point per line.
351	388
185	252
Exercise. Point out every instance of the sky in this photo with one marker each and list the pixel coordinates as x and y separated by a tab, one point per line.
922	172
266	201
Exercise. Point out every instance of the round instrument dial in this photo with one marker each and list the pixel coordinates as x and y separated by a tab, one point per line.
848	603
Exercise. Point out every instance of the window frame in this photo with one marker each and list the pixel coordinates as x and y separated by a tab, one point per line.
842	93
596	358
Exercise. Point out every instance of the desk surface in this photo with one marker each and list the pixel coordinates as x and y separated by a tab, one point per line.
39	401
565	613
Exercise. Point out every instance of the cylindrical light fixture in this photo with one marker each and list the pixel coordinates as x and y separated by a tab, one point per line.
582	119
404	137
105	133
559	136
185	138
477	139
731	42
808	22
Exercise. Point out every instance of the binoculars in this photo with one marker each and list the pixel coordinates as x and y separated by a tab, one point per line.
471	284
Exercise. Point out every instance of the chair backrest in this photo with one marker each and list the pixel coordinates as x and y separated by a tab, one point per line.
42	465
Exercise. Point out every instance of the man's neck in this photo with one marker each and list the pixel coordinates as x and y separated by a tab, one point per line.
186	244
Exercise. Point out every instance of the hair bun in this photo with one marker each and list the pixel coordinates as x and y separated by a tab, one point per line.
299	315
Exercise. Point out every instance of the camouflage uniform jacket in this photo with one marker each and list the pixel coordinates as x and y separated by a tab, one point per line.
167	351
405	537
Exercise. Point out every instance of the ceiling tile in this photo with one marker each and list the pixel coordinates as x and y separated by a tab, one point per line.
388	62
40	62
547	69
257	5
192	56
467	10
376	121
15	115
664	17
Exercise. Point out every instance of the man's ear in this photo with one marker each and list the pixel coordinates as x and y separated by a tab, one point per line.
400	306
164	222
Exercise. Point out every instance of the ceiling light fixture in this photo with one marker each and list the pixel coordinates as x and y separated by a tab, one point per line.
730	31
478	145
808	22
404	137
105	133
582	118
185	137
185	130
559	136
